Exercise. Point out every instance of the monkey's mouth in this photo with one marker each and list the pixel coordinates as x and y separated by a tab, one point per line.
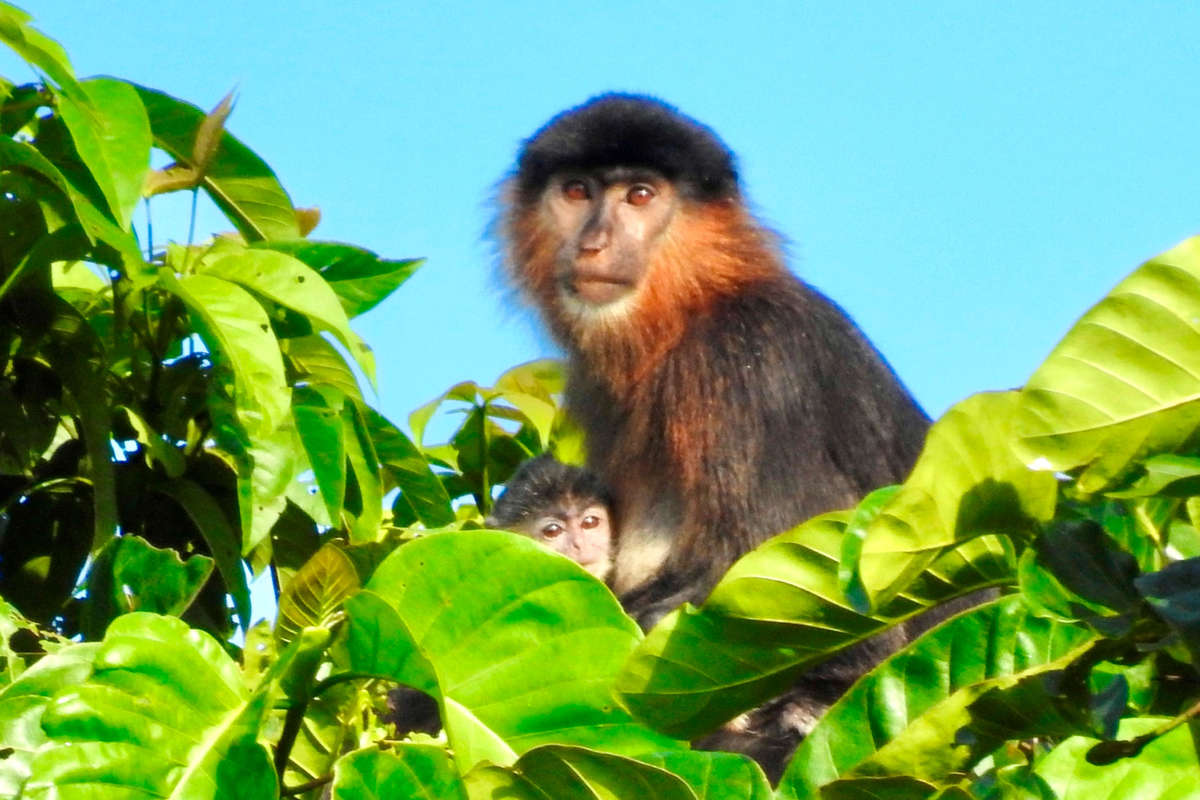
599	289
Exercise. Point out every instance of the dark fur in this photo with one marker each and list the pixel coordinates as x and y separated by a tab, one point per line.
620	130
735	403
543	484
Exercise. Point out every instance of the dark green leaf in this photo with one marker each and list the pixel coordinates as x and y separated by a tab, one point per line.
410	471
323	435
1174	592
574	772
220	536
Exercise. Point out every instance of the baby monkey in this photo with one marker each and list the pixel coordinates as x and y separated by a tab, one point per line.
566	508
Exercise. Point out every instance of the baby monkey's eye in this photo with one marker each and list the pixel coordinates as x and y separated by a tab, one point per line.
576	190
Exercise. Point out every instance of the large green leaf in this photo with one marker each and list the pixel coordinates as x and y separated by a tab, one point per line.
966	482
555	772
130	574
777	612
360	278
319	364
518	644
365	479
238	181
237	331
112	137
1124	381
290	283
164	714
410	770
1167	769
715	776
899	718
23	702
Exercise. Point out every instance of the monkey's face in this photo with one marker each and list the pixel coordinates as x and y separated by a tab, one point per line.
608	224
582	533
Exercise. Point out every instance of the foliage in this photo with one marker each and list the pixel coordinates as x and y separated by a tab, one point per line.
178	416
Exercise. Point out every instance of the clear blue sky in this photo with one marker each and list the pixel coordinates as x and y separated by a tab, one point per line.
964	178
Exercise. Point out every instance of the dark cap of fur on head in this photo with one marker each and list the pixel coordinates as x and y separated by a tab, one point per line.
543	480
629	130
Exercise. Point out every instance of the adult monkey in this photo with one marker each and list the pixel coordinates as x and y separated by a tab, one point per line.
723	399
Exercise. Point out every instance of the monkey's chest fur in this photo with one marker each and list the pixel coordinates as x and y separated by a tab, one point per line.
768	408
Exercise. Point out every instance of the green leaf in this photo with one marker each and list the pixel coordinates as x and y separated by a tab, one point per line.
556	771
319	364
323	435
74	351
1165	474
777	612
238	181
367	485
410	471
903	716
410	770
522	644
164	714
131	574
314	596
1124	381
237	332
1165	770
23	702
966	482
715	776
265	470
290	283
112	137
360	278
221	538
38	49
891	788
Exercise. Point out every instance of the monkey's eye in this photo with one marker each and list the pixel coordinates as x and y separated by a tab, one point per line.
589	521
640	195
576	190
552	530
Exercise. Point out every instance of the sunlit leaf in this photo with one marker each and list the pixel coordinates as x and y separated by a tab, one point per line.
903	717
360	278
966	482
290	283
715	776
238	181
778	611
23	702
410	472
112	137
237	331
314	596
519	645
1123	383
38	49
164	713
1165	770
409	770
